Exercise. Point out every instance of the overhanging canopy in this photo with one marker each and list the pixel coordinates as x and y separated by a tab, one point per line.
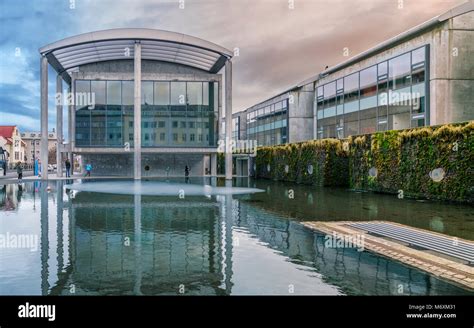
116	44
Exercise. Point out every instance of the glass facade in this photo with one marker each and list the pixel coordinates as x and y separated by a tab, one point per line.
388	96
236	128
269	124
174	114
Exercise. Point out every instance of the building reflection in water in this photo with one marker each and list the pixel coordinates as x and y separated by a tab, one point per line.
142	245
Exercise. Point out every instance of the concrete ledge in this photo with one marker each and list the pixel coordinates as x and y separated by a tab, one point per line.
439	265
53	177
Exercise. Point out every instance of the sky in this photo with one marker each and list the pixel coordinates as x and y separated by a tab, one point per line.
280	42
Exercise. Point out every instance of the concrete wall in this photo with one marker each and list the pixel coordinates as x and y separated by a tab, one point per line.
454	76
122	164
148	66
300	114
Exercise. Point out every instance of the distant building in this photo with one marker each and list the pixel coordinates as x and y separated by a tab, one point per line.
10	140
32	144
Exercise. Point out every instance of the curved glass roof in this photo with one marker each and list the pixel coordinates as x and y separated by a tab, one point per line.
68	54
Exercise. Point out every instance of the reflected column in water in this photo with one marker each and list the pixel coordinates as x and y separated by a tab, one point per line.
44	239
225	209
138	243
59	230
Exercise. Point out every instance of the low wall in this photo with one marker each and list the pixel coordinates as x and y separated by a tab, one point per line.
430	162
152	164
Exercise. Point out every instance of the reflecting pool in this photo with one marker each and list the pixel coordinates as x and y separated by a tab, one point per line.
89	243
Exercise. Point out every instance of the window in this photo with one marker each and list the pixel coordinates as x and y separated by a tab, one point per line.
418	55
127	93
399	97
114	113
399	72
194	96
368	100
389	95
147	93
382	97
368	82
351	88
127	110
191	137
98	113
83	113
328	121
178	96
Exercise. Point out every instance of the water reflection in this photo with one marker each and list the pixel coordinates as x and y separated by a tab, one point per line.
336	204
105	244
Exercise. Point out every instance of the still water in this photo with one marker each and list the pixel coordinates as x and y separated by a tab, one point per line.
90	243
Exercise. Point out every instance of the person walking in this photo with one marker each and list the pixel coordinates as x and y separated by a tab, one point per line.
186	174
19	171
88	170
68	168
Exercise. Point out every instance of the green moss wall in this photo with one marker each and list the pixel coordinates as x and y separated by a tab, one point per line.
430	162
293	162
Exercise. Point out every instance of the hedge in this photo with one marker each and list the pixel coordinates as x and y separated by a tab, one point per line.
430	162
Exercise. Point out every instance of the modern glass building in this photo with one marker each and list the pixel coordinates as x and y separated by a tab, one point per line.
145	102
423	76
268	123
390	95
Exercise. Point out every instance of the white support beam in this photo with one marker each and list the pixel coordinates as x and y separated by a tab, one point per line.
59	125
44	117
72	127
228	118
137	113
214	165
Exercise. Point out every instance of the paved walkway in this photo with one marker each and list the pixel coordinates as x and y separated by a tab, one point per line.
11	174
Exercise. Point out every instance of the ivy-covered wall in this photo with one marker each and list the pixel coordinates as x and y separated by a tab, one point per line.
315	162
430	162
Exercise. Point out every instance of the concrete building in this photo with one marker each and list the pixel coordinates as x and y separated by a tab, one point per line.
32	144
144	102
424	76
11	142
